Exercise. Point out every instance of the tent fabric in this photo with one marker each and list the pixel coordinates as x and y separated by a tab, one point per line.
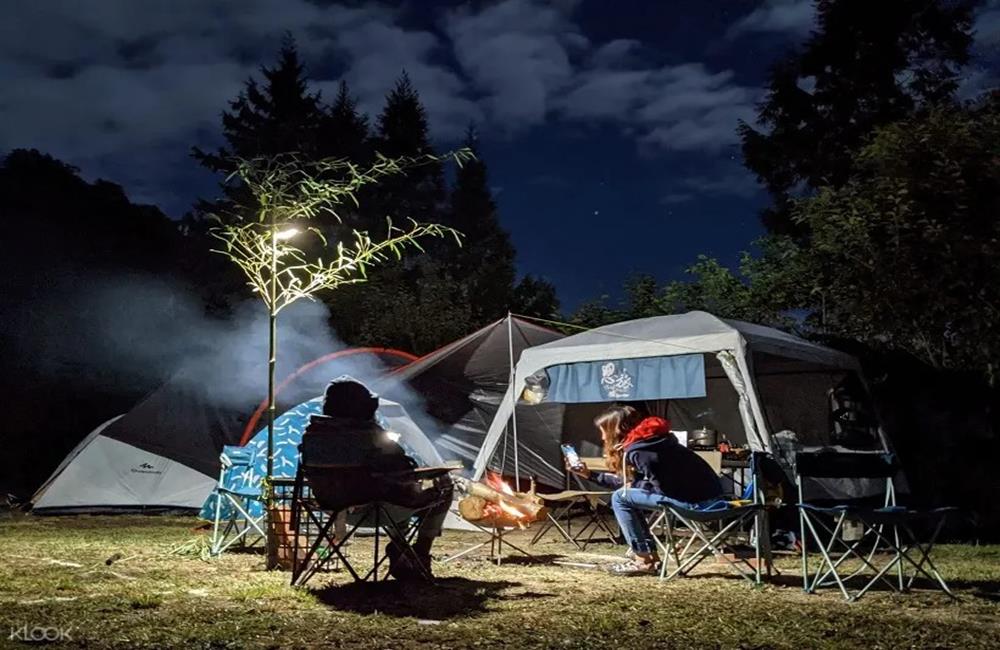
737	379
693	332
455	392
288	430
115	474
627	379
185	422
70	456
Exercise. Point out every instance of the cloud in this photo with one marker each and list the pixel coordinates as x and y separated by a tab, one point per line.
518	55
123	89
681	107
986	26
724	182
793	17
373	71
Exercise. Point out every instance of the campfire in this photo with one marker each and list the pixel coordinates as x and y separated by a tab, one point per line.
493	502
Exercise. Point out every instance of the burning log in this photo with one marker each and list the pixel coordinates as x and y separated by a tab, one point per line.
495	502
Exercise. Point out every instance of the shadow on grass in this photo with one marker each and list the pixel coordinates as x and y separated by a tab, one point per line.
446	598
516	559
984	589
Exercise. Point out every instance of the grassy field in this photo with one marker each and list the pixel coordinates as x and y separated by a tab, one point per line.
55	573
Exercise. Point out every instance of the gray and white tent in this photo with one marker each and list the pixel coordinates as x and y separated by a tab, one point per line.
161	455
756	385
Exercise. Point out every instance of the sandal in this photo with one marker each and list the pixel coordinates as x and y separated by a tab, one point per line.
635	568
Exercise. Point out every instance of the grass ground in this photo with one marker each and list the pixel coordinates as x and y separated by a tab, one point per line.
54	573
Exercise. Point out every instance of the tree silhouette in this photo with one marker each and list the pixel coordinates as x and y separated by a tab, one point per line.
867	65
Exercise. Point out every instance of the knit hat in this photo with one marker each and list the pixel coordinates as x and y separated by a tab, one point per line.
346	397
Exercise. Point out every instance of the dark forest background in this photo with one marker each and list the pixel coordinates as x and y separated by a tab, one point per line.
883	239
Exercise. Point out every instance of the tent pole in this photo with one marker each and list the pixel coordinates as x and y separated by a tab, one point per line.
510	382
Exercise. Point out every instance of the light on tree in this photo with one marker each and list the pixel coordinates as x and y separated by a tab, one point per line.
288	190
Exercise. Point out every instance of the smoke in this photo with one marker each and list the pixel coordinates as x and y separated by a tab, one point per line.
122	333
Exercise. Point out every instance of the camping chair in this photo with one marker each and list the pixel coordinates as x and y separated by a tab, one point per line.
711	523
326	546
887	527
234	498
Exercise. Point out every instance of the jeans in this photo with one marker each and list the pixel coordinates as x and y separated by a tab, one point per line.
629	506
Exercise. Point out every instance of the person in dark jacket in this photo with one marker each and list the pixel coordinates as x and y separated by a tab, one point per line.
349	460
661	468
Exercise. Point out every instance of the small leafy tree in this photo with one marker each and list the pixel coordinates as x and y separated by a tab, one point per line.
290	193
267	245
906	255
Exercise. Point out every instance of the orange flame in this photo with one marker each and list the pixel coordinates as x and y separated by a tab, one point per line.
502	508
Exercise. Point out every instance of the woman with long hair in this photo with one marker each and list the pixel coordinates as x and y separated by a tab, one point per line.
646	466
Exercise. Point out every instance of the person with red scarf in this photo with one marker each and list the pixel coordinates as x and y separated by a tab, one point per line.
662	469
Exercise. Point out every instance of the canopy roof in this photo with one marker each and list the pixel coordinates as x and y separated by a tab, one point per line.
693	332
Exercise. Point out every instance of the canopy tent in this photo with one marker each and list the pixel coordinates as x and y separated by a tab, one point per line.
288	430
454	394
164	453
757	381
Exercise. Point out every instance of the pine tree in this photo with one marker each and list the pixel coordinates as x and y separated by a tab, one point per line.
420	289
402	130
277	116
486	262
343	130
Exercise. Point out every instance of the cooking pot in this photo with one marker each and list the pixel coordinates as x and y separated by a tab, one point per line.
703	438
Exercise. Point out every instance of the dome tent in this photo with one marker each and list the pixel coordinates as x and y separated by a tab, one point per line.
288	430
163	454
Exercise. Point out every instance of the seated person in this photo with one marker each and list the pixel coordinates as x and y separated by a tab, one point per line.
663	468
352	460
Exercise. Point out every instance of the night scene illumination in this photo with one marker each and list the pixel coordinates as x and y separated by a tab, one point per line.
500	323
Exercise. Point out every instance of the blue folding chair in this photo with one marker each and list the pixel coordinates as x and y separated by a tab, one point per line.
233	502
711	524
885	527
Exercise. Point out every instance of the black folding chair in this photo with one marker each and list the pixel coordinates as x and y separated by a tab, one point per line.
711	525
325	547
887	527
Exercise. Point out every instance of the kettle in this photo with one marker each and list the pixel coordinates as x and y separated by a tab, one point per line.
703	438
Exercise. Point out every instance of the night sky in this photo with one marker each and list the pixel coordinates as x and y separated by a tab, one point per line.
609	127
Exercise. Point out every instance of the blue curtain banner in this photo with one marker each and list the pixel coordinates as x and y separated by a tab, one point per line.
647	378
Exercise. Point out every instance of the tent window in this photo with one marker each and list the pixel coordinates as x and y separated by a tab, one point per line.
822	405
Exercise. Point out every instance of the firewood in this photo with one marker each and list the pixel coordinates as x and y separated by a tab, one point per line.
472	508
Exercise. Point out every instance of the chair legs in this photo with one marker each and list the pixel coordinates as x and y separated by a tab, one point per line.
376	515
895	537
710	544
233	531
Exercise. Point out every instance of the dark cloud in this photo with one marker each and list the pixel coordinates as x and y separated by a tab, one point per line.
123	89
793	17
518	55
987	26
725	181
